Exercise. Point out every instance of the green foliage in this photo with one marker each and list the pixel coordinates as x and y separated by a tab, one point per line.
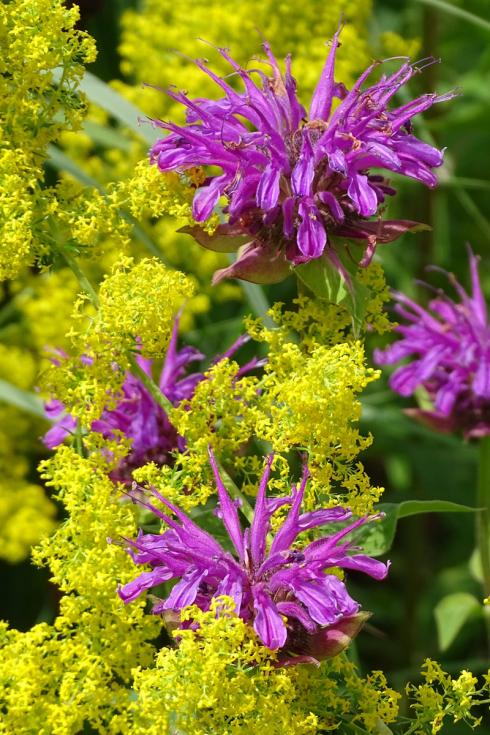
451	613
378	538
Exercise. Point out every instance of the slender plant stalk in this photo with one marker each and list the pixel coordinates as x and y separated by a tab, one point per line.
458	12
81	277
483	522
150	385
483	519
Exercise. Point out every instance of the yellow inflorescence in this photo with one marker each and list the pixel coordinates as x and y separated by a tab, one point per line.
34	109
440	698
26	516
136	306
26	513
221	680
307	400
155	50
95	642
41	297
99	666
138	302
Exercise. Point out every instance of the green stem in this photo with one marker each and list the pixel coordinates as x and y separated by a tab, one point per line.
79	439
483	518
82	278
458	12
150	385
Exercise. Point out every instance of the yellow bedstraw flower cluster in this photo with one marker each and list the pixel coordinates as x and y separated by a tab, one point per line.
152	36
41	296
307	399
136	305
26	515
220	680
53	679
34	109
440	698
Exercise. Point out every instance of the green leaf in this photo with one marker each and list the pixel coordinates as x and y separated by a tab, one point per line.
108	99
21	399
107	137
112	102
451	613
376	538
258	301
323	278
61	162
382	729
415	507
355	300
475	566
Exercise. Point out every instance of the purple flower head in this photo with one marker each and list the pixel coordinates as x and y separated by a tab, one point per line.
293	180
448	345
138	416
290	596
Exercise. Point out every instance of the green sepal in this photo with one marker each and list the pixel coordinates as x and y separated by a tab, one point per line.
325	281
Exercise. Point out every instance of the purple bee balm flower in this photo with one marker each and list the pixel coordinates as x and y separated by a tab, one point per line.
293	180
138	416
291	596
448	345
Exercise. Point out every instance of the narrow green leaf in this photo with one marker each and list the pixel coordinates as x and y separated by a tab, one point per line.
21	399
112	102
466	183
415	507
106	136
451	613
472	210
376	538
60	161
458	12
108	99
257	300
382	728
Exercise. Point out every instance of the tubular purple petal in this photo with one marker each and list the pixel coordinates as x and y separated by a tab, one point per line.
321	102
228	509
268	623
260	523
312	236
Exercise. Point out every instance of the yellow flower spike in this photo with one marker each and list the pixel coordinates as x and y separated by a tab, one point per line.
137	304
33	113
140	302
